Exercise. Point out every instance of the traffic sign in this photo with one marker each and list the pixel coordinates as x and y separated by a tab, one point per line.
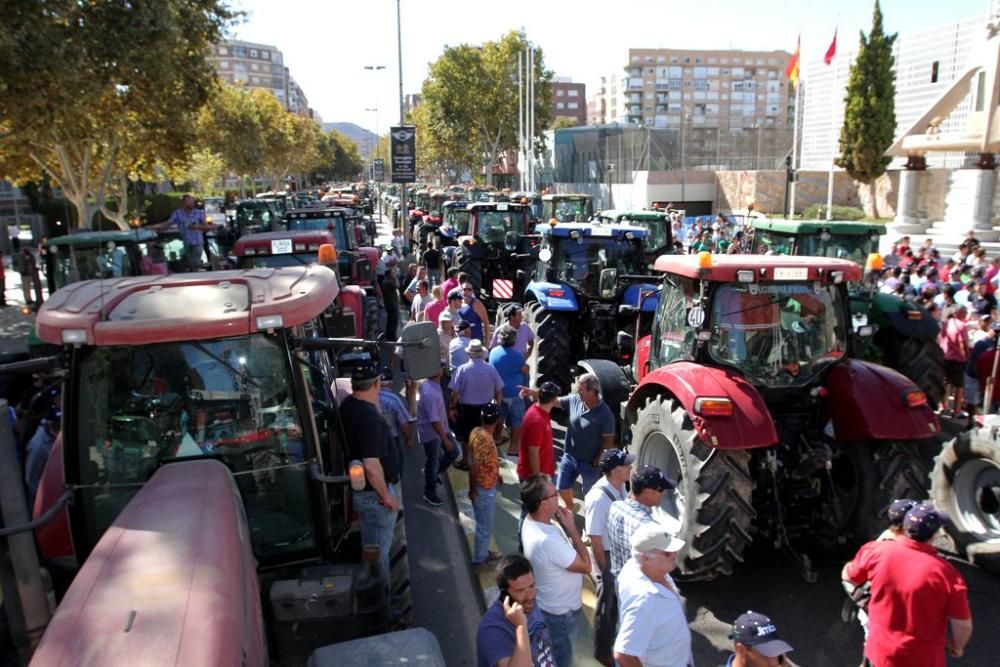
378	167
404	157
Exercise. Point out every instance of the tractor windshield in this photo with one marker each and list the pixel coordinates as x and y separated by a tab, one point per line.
456	219
777	334
580	263
72	264
140	406
855	247
495	226
251	218
276	261
656	232
335	226
573	210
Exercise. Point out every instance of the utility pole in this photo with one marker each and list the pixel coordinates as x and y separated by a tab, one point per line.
399	48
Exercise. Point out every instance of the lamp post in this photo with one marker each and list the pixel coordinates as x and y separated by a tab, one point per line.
399	50
373	154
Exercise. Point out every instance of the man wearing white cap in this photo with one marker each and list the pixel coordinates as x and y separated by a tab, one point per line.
653	630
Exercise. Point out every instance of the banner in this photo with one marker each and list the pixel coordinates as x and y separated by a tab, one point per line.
404	154
378	169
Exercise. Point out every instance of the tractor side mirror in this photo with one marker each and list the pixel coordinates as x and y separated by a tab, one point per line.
364	270
626	309
609	279
421	350
625	342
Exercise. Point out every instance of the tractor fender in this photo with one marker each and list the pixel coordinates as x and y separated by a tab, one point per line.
905	317
866	401
55	542
750	425
353	297
633	293
615	384
552	296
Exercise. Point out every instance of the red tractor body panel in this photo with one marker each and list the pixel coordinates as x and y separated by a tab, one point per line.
749	426
766	268
186	306
280	243
53	538
867	401
642	351
353	297
172	581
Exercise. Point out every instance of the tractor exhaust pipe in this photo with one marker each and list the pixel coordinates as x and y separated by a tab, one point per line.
26	584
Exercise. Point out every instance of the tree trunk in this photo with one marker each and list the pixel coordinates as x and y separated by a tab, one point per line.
873	186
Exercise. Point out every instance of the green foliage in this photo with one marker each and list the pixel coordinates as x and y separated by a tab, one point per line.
468	113
870	116
158	207
818	212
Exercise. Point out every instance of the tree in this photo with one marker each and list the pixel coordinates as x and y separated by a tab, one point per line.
870	112
92	91
206	172
471	102
238	124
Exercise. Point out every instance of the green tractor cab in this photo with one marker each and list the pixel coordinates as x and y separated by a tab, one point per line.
904	334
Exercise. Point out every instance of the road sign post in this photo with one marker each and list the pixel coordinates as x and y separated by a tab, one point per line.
404	158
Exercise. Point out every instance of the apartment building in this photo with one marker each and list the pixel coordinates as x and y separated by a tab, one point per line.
607	106
259	66
569	100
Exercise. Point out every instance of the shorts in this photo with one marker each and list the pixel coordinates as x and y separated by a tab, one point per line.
570	468
469	417
513	411
972	396
954	372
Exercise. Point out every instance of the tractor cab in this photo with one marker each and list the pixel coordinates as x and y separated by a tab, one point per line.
256	215
454	220
499	224
567	207
532	200
853	241
497	249
339	222
114	254
659	237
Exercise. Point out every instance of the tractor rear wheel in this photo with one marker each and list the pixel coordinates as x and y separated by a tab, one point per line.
883	472
466	263
399	575
965	483
921	360
713	501
371	317
551	358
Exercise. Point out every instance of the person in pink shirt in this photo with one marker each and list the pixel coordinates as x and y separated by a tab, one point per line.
451	282
954	341
433	310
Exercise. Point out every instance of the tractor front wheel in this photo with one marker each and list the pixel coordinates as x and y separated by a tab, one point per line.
965	483
711	508
551	358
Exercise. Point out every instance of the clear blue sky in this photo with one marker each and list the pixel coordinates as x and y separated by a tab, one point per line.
326	43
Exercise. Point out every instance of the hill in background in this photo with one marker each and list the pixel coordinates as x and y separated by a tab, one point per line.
359	135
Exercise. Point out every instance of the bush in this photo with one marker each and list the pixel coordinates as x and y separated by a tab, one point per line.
818	212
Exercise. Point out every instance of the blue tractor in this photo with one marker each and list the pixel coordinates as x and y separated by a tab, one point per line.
591	297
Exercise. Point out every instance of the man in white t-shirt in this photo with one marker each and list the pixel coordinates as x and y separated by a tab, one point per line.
616	466
559	559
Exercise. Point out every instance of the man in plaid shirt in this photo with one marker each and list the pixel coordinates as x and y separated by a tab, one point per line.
624	518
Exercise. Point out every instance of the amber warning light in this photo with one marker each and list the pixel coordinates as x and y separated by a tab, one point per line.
357	474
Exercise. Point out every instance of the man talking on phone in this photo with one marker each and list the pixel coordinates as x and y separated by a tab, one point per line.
513	633
559	559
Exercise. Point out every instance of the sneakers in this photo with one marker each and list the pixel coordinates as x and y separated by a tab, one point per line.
432	500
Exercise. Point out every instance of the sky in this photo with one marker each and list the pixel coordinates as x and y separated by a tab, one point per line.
327	43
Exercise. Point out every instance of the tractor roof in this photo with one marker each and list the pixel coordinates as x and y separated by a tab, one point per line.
455	203
328	212
573	195
589	229
723	268
498	206
626	215
288	242
186	306
840	227
100	238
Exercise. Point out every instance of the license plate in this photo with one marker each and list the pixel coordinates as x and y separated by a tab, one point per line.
600	231
786	273
281	246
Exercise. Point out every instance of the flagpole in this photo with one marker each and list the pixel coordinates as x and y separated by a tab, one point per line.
833	126
795	144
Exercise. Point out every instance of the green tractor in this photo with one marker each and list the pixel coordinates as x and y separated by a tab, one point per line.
905	335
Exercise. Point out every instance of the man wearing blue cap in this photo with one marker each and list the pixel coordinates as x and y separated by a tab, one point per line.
919	605
756	642
624	518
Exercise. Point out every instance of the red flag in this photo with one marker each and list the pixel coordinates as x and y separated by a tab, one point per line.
792	70
832	51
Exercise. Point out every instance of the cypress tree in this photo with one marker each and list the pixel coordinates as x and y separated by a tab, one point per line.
870	108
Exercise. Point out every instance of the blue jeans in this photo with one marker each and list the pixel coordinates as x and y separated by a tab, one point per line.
378	523
562	629
438	460
484	508
570	468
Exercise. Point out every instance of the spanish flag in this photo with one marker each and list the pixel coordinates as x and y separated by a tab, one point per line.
792	70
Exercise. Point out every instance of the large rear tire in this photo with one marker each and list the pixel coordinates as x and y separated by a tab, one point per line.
468	264
371	317
883	472
921	360
551	358
965	483
713	500
399	575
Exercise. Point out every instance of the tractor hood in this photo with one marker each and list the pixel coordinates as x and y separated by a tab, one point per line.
909	319
635	292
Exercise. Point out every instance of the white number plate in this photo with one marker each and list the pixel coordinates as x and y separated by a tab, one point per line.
600	231
281	246
786	273
501	206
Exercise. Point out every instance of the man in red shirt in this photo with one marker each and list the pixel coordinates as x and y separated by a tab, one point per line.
919	604
537	454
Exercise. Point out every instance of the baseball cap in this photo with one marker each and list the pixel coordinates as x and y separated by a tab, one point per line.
386	374
455	294
653	536
614	458
462	325
650	477
897	510
757	631
490	412
513	310
922	521
366	370
548	391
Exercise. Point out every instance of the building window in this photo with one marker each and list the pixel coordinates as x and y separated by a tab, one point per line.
255	79
572	105
560	92
573	93
254	67
223	51
674	61
934	72
224	64
266	55
661	59
635	59
649	71
253	53
560	105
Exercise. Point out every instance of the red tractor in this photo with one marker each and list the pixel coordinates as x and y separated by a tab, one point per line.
208	472
748	397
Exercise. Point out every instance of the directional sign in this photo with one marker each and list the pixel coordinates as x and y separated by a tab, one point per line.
404	153
379	169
